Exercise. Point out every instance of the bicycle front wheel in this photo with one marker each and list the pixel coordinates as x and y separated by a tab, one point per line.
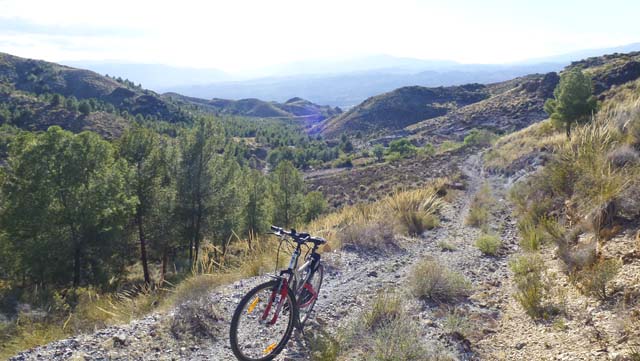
261	326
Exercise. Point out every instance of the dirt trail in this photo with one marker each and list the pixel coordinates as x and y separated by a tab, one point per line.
351	280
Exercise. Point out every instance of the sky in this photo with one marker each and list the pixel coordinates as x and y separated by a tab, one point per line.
241	35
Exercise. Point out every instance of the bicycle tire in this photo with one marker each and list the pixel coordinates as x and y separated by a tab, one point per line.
309	309
233	331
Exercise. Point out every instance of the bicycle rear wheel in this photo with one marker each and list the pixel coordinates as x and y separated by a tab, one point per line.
261	327
308	294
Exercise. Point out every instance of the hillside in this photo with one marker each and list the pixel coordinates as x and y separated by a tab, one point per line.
399	108
28	85
513	106
522	104
292	108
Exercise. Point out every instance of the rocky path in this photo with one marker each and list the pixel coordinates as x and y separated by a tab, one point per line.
351	279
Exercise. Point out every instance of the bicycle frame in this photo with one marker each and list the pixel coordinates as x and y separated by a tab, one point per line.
291	283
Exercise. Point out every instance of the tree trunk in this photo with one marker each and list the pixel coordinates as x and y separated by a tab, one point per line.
568	130
143	248
163	272
76	266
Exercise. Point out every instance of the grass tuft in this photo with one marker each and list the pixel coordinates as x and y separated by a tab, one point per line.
433	281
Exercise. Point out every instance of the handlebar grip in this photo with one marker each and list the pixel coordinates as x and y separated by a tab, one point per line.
277	229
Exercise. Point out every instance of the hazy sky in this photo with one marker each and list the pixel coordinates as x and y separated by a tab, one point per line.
237	35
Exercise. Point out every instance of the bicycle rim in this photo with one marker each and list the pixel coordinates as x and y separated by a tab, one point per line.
260	328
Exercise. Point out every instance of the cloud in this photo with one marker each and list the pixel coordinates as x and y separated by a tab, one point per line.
236	35
17	26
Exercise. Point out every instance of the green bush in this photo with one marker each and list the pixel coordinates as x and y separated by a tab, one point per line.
431	280
530	236
480	137
403	147
489	244
595	279
531	286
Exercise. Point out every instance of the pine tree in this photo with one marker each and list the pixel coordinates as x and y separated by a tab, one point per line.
287	193
573	100
140	148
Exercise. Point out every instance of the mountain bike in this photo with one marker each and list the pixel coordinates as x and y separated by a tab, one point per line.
265	317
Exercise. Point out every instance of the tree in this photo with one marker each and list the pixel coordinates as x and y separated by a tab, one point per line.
287	193
84	107
140	148
314	205
56	100
199	147
573	100
258	203
346	146
71	104
163	235
65	206
378	152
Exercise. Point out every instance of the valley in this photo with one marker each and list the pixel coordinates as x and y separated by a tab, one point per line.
467	222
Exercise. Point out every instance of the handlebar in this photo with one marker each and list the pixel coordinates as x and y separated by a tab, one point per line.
298	237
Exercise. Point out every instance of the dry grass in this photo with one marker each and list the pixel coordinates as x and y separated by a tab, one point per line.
373	225
415	210
522	144
480	208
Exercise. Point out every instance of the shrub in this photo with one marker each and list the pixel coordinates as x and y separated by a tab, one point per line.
478	215
456	321
596	278
324	347
449	145
432	280
382	332
403	147
343	162
480	137
489	244
446	246
530	236
531	286
385	309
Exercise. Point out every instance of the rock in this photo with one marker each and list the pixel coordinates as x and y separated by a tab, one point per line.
120	339
520	345
372	274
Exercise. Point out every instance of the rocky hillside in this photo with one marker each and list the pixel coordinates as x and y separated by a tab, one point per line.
402	107
513	105
292	108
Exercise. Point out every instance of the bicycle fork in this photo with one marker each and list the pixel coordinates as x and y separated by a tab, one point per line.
279	296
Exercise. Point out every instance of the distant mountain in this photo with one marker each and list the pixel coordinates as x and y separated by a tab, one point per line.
583	54
382	62
153	76
345	90
252	107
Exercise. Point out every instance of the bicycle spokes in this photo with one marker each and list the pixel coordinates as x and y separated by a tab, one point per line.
264	321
